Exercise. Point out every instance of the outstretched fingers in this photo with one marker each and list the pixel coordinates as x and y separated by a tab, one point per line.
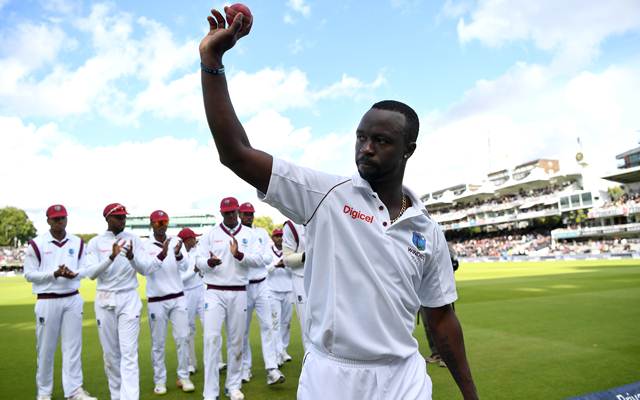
219	18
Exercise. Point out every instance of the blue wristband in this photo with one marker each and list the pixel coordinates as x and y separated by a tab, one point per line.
212	71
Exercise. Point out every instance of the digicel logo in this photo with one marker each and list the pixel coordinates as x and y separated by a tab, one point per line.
355	214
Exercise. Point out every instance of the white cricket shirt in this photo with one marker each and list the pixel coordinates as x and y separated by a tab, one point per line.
279	279
166	278
120	274
190	277
293	246
44	255
263	245
231	272
365	278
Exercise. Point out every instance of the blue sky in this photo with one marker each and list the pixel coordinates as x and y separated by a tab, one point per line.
100	101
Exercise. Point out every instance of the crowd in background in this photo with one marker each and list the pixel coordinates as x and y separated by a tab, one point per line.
11	257
537	244
503	199
628	198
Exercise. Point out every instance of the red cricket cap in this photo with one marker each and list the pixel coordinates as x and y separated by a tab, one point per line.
114	209
56	211
276	232
158	215
187	233
229	204
246	208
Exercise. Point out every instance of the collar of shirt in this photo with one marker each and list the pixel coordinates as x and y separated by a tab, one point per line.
50	239
229	231
417	207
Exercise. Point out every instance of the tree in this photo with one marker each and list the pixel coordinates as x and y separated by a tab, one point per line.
15	227
266	223
615	192
86	236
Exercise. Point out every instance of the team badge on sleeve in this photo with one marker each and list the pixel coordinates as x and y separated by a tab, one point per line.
419	241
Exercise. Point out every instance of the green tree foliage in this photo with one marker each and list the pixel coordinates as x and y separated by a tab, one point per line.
86	236
15	227
266	223
615	192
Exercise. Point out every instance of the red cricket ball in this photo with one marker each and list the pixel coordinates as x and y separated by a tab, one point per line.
234	9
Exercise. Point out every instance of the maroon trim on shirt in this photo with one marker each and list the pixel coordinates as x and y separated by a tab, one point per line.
257	280
81	248
34	246
295	233
231	288
232	234
42	296
60	244
166	297
158	244
275	251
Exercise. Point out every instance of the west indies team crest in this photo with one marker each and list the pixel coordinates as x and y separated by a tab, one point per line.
419	241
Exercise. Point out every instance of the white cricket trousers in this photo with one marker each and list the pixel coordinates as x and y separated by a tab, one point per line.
54	318
327	377
300	300
259	299
195	308
229	307
160	313
281	310
118	328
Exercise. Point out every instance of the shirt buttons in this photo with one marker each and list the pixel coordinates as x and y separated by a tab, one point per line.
384	223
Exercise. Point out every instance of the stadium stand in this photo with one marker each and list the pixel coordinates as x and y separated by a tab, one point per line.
536	210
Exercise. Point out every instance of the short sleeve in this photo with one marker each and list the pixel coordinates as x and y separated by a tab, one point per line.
297	191
438	286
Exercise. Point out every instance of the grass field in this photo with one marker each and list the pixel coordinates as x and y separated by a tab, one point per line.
547	330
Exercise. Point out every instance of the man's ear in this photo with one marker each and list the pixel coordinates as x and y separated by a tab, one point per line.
411	147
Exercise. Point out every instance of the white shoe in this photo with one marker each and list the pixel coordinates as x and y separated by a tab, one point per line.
82	394
222	366
246	376
160	388
44	398
285	356
186	385
274	376
192	370
236	394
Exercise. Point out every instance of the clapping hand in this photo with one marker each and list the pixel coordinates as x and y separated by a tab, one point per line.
280	264
64	272
213	261
116	248
176	249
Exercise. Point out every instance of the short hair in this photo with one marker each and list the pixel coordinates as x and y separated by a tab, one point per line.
412	122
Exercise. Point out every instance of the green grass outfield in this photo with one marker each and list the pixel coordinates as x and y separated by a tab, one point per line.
546	330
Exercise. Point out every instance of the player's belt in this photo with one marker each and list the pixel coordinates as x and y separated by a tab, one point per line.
239	288
257	280
56	295
163	298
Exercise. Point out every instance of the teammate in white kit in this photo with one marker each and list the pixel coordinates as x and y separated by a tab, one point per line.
225	255
373	254
166	302
193	291
293	248
259	299
279	280
113	257
51	265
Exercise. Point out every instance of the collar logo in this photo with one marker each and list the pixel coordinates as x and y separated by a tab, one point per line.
71	251
419	241
57	208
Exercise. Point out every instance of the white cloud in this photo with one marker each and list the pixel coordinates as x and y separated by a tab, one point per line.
528	113
299	6
572	30
181	176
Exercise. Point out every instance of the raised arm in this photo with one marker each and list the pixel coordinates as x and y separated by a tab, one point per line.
234	149
447	334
